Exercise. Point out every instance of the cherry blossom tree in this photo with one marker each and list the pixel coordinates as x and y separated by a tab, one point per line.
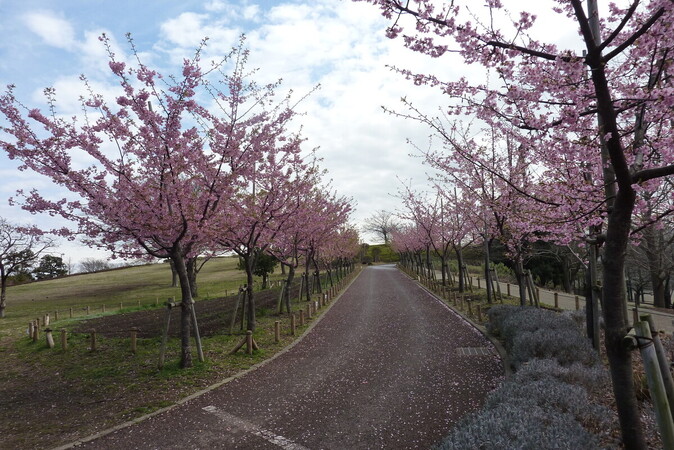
161	167
279	185
571	107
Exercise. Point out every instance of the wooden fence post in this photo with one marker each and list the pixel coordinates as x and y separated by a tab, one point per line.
71	313
479	313
103	308
87	310
134	339
309	311
64	339
292	324
56	316
249	342
301	317
277	331
30	329
556	300
50	338
577	303
36	330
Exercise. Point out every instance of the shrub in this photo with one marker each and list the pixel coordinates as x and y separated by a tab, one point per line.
563	344
512	427
553	396
497	315
591	378
529	319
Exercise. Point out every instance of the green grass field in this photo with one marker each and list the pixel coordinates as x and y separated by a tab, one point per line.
148	284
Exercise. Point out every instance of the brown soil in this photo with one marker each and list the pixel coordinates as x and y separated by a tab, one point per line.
213	315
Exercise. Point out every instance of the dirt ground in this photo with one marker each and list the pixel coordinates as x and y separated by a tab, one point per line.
213	316
41	407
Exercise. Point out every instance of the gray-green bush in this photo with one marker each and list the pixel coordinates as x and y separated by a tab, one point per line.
510	427
544	405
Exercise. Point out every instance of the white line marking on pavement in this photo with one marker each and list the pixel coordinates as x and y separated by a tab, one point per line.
244	425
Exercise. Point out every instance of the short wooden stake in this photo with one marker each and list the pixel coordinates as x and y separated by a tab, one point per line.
301	317
87	310
50	338
36	330
656	385
64	339
249	342
103	308
71	313
292	324
30	329
277	331
478	283
309	311
470	308
93	340
121	306
56	316
577	303
134	339
556	300
508	289
479	313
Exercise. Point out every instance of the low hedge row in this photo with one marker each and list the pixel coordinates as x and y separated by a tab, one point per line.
545	404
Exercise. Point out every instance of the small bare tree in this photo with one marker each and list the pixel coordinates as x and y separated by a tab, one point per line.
20	247
94	265
381	224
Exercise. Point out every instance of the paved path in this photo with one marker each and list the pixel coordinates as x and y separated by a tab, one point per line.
387	367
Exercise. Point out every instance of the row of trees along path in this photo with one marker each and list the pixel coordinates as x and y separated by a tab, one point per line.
167	177
382	369
571	139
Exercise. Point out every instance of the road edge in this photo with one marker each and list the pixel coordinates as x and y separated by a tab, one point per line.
505	359
215	385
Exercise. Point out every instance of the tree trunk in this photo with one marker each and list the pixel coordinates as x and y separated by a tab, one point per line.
462	275
620	359
185	304
174	274
191	264
656	270
521	282
289	283
3	296
250	305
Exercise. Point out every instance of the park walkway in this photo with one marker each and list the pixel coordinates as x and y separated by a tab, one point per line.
388	366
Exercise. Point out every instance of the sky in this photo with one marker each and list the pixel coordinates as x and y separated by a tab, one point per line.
338	44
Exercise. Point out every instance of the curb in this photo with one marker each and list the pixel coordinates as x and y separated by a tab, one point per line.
213	386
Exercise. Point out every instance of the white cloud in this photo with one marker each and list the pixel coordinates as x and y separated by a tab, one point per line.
54	31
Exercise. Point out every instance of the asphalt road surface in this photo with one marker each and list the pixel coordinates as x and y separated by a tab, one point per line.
388	366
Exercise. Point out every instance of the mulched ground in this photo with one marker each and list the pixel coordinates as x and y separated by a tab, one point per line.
213	316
